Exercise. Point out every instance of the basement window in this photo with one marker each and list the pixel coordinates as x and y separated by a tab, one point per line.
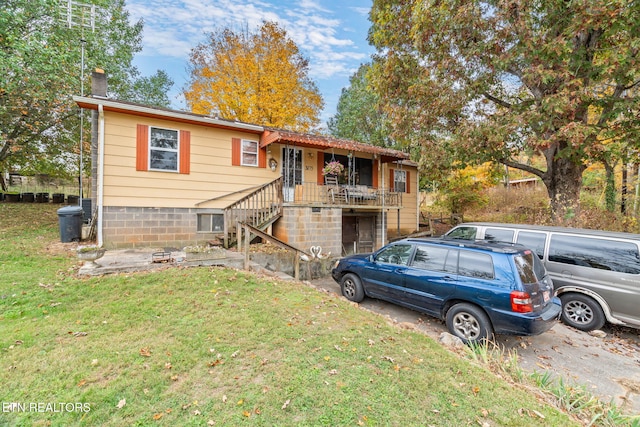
210	223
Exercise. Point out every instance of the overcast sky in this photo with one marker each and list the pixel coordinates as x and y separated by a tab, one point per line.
332	34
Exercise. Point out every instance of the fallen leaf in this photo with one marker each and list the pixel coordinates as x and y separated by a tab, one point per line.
145	352
82	382
224	398
538	414
475	390
246	414
284	406
168	365
158	416
121	404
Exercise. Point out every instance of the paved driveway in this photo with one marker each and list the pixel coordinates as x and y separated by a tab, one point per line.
608	367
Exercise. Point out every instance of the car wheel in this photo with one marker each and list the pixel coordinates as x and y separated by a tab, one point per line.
351	287
469	323
581	312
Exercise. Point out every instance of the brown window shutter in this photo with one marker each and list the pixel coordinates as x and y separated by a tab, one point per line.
408	184
235	151
391	180
262	157
185	152
375	174
142	148
320	163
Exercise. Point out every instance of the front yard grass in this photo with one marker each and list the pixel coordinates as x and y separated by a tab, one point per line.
213	346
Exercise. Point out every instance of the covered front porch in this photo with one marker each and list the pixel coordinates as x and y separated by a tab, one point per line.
341	195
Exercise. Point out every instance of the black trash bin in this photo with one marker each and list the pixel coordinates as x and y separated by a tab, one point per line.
70	219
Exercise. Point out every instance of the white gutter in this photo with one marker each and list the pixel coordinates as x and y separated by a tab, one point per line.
100	178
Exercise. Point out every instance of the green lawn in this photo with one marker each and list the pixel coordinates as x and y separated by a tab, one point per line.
210	346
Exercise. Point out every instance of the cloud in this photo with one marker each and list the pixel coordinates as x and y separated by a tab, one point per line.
334	40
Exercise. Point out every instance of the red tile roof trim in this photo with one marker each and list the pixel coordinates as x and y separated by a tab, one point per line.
321	142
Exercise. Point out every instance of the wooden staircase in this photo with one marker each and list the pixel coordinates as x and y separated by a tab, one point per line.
259	209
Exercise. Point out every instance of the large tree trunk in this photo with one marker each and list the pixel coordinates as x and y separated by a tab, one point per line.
610	187
564	181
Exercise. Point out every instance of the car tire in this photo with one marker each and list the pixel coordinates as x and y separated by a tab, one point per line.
351	287
469	323
581	312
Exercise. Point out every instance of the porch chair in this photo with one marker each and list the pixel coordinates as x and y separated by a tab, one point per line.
336	193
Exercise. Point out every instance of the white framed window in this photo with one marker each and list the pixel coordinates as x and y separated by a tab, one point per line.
400	181
164	149
210	223
249	153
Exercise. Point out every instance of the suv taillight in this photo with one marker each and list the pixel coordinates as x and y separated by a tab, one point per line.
521	302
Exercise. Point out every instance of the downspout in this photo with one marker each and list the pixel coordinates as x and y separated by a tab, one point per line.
418	198
100	171
384	196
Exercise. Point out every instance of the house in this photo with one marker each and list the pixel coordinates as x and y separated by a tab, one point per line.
166	178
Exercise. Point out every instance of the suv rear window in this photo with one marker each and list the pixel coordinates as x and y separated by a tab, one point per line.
530	269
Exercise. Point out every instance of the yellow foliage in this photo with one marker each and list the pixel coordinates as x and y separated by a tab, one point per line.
255	78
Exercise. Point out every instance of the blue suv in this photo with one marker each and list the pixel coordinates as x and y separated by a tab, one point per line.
477	288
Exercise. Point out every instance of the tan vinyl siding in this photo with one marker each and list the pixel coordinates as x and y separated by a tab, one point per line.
408	213
210	175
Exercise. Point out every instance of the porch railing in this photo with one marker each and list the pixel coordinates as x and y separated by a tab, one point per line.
311	193
260	209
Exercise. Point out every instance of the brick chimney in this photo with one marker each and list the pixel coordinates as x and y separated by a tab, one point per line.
99	83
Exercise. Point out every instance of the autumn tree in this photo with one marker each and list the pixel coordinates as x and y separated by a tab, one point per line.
259	78
486	80
40	71
358	116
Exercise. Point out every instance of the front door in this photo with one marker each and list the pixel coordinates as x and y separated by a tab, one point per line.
291	171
